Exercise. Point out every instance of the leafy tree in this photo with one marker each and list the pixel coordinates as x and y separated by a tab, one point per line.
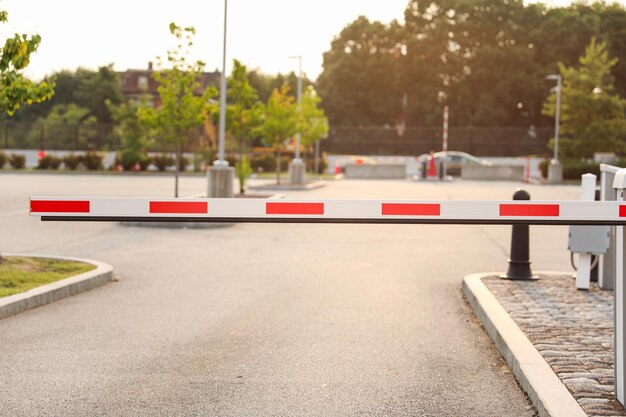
244	114
281	122
133	132
15	89
313	122
73	125
83	87
243	171
181	109
592	115
486	59
363	81
96	88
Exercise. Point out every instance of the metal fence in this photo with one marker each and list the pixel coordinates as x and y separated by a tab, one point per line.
76	137
374	140
418	140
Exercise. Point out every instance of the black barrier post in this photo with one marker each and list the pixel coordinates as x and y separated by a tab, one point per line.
519	264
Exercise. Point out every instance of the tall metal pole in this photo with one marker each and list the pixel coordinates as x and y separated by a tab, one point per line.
222	129
299	98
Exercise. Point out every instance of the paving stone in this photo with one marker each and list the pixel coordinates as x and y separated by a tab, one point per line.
572	330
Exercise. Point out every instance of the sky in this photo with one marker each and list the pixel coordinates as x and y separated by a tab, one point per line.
262	34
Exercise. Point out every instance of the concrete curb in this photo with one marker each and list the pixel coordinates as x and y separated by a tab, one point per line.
48	293
544	388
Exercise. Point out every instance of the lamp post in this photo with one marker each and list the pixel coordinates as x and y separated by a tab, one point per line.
296	167
220	175
555	170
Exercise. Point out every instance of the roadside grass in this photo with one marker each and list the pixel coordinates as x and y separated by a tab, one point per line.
19	274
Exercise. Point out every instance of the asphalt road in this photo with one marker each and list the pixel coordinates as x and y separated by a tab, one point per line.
263	319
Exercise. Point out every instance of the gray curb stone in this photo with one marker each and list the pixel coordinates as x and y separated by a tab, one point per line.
544	388
17	303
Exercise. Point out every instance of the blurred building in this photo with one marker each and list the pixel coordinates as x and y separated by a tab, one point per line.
138	83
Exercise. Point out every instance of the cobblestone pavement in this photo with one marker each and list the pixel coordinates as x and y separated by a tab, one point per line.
573	331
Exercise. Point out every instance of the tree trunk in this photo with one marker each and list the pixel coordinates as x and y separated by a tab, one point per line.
240	161
177	168
278	167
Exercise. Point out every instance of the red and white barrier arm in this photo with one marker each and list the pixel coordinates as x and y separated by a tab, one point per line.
328	211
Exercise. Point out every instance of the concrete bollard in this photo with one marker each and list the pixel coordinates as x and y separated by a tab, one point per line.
519	263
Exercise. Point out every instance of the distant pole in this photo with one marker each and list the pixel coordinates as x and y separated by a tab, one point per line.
557	118
555	170
445	128
222	129
444	147
557	111
299	98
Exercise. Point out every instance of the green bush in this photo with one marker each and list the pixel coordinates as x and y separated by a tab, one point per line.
322	164
3	159
92	161
163	161
71	161
17	161
572	169
49	162
184	161
129	160
267	163
243	170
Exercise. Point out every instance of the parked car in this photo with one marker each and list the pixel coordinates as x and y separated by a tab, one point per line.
454	161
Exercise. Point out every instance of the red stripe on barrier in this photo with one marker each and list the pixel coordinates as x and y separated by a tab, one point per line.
410	209
294	208
529	210
59	206
622	211
179	207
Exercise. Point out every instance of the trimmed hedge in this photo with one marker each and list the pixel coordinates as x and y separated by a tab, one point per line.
92	161
3	159
572	169
49	162
17	161
71	161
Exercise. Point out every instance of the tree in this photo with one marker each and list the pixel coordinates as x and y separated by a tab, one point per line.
72	124
15	89
83	87
313	121
281	122
181	108
244	114
592	114
133	133
363	80
96	88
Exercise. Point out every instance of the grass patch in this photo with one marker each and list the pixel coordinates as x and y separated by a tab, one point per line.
19	274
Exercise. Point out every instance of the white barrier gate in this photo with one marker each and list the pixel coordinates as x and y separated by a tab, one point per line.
365	211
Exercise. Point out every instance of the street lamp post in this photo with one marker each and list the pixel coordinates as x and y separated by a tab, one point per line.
555	169
220	175
296	167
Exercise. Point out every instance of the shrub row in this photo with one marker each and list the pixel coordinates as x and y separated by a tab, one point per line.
572	169
267	163
93	161
16	161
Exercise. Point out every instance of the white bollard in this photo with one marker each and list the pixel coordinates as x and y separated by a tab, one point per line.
583	272
620	279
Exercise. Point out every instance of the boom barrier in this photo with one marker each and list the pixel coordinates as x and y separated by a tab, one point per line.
328	211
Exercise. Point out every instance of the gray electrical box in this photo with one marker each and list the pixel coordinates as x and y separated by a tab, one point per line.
589	239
